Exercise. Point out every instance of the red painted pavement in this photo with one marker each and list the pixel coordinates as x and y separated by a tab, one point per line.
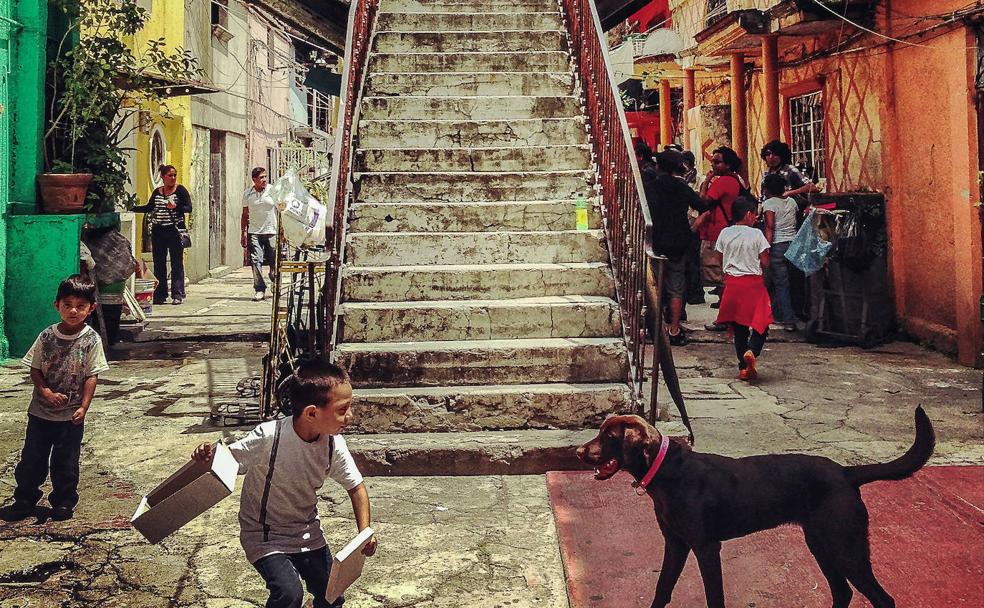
927	544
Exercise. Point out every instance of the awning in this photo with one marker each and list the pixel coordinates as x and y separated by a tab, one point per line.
172	87
325	81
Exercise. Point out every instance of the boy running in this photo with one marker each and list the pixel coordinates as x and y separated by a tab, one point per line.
286	462
745	303
65	362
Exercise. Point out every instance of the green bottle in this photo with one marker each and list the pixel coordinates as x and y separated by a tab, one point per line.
581	213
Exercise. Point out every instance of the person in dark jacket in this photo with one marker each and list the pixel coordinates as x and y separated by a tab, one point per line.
166	209
670	198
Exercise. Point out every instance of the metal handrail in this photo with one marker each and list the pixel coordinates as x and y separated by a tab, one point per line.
358	41
628	225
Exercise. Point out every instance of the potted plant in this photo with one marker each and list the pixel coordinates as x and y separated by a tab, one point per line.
97	82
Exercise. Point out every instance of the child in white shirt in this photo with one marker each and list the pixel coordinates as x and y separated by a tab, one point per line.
745	303
780	228
286	462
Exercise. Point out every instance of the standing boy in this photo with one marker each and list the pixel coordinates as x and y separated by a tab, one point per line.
780	229
286	462
745	303
65	362
259	224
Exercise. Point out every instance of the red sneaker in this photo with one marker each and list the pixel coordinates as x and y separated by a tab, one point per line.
750	361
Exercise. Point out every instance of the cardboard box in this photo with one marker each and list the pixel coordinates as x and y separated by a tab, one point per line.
194	489
346	566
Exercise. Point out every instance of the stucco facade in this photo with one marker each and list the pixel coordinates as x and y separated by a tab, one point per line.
898	119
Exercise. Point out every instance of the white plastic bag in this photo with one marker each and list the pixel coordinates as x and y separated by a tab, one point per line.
302	216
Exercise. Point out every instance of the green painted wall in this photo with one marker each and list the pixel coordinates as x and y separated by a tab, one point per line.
44	250
36	252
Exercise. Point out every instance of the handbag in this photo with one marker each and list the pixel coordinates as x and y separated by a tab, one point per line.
808	250
185	238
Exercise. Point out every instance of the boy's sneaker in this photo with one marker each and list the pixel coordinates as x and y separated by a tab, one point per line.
749	358
61	514
716	326
17	511
176	301
743	374
258	296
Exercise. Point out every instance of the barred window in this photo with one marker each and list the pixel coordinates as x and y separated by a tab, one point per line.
716	9
806	129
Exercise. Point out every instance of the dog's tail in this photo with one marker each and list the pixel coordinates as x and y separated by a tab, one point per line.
903	466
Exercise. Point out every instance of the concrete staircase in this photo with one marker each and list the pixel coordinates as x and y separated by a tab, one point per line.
470	302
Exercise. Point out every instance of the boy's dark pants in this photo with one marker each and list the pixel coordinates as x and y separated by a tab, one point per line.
57	442
283	573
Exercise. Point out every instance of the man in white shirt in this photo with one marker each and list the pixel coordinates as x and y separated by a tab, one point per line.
259	223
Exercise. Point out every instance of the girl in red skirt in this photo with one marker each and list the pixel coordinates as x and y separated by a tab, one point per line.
745	304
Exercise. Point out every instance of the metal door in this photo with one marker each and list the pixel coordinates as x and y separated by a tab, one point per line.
216	198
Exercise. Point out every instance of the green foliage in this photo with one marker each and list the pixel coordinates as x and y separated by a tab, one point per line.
96	85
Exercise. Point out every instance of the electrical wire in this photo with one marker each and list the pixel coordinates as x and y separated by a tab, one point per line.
879	34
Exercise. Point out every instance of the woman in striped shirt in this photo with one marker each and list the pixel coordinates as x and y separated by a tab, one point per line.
166	209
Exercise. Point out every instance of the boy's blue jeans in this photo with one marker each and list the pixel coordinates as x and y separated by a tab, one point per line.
782	303
57	443
283	573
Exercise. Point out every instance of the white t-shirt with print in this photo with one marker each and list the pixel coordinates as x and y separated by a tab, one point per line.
740	247
288	522
785	209
262	211
65	360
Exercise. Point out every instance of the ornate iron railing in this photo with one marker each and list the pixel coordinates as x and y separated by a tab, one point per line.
628	226
358	41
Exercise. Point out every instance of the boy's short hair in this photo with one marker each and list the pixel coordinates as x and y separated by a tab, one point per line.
258	171
311	384
774	184
77	286
741	207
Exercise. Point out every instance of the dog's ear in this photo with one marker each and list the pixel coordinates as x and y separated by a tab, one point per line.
636	441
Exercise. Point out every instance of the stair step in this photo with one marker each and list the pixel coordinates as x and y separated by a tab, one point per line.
533	158
468	22
546	317
491	84
531	61
468	41
477	408
466	282
466	217
469	108
471	133
448	363
466	6
452	187
441	248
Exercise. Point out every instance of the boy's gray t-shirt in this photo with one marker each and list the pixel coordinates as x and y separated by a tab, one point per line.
288	521
785	209
65	361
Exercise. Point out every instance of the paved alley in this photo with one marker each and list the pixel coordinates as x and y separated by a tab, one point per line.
482	541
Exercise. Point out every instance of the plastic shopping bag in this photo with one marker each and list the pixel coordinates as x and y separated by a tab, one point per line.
808	250
302	216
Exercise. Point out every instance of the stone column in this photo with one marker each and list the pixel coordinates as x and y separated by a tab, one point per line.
770	75
739	125
689	96
665	113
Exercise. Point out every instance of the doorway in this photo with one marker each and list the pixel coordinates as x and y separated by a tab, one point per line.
216	198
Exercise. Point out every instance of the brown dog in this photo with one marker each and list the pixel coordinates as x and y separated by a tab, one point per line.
703	499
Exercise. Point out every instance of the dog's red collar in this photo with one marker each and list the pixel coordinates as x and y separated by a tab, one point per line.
640	486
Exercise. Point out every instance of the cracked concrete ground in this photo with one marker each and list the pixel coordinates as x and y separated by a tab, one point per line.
445	541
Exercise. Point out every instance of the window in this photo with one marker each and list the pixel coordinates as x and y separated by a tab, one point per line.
271	49
158	154
319	110
806	130
716	10
220	13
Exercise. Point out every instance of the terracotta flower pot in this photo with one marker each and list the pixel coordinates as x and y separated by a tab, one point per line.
64	192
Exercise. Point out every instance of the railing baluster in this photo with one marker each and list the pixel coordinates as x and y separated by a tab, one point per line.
627	223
